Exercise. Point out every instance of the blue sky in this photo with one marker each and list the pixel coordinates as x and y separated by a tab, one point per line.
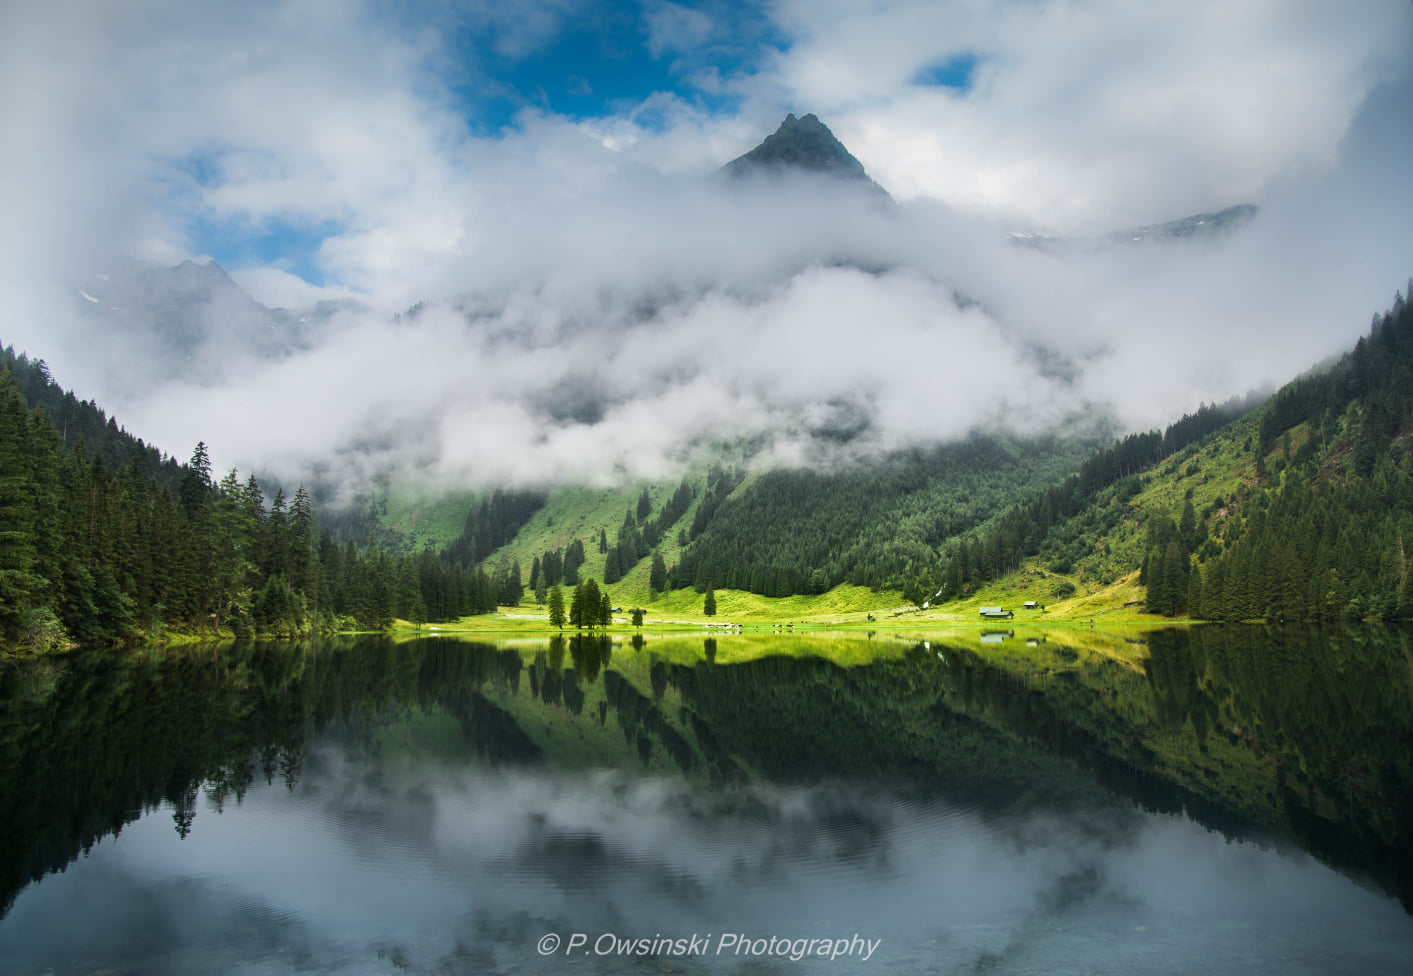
595	59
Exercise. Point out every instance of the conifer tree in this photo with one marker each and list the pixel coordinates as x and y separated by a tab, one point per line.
576	607
573	559
556	607
17	536
590	603
709	604
196	483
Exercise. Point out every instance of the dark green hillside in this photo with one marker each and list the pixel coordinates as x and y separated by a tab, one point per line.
1070	523
1325	529
880	525
76	420
1301	510
115	542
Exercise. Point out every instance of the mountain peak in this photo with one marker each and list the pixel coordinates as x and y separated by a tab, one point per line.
803	143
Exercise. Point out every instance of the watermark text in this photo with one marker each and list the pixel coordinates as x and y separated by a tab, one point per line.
724	944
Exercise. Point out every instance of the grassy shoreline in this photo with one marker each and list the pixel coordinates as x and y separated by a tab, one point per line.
845	609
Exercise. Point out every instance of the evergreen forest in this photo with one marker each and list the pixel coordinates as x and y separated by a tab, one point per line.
104	539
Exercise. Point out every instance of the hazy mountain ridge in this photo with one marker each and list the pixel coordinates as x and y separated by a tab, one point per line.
1203	226
191	321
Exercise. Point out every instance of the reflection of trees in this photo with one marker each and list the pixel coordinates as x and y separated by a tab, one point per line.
111	736
805	720
1289	728
90	741
591	653
1311	728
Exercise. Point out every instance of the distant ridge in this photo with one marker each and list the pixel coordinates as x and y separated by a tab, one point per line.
1198	226
804	144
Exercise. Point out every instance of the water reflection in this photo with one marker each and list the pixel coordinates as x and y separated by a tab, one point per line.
438	806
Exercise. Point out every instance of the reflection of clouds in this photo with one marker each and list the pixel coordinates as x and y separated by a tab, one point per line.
422	867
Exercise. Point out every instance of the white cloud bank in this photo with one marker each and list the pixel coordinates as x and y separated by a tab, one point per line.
598	308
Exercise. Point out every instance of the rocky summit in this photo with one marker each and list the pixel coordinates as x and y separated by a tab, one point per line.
803	143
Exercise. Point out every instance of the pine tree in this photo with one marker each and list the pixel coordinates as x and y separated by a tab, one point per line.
576	607
591	601
1187	528
573	559
556	607
17	536
302	526
645	506
657	576
709	604
409	589
195	486
513	591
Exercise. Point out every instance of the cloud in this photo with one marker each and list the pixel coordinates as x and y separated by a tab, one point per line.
1093	116
594	306
413	865
673	27
276	288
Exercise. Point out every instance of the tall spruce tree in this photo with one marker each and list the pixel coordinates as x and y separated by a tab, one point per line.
556	607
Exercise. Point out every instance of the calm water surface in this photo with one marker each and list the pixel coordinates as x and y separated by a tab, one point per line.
1229	801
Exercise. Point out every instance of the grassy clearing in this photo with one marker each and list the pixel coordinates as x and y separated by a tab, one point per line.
845	608
583	513
427	522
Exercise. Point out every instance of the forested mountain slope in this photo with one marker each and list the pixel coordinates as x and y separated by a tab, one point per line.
776	533
1301	509
880	525
109	540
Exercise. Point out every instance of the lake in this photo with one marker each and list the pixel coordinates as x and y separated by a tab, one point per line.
1220	800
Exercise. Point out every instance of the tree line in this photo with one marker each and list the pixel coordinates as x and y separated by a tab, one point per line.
95	552
1327	531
